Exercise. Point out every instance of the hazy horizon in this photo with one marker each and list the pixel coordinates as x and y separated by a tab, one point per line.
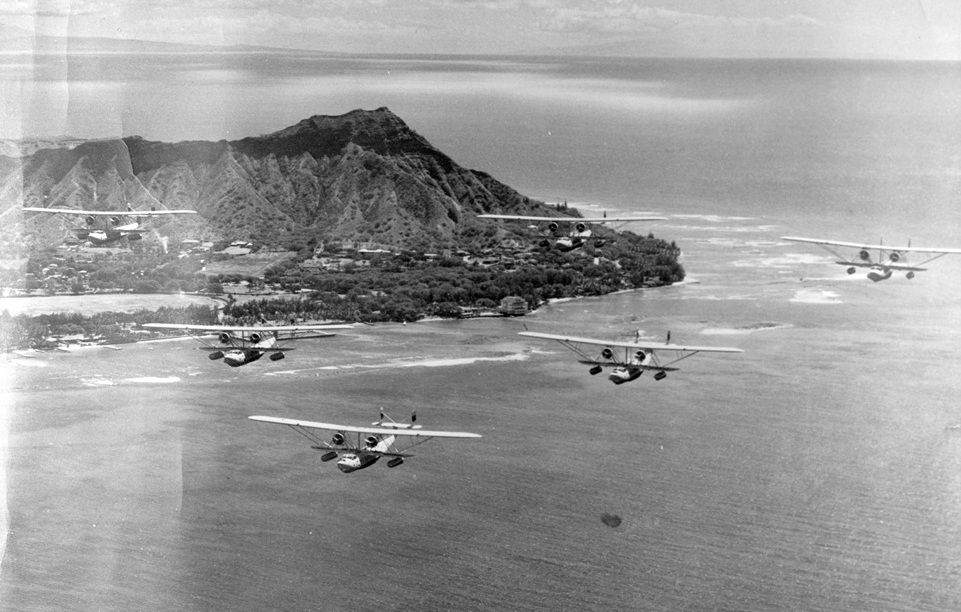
859	29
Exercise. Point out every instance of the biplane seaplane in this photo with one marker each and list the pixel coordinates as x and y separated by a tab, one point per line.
240	345
105	227
629	360
571	233
881	266
371	443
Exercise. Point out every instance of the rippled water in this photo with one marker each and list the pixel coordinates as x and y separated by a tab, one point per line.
818	470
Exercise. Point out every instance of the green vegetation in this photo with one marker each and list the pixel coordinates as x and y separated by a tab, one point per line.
381	287
46	331
406	288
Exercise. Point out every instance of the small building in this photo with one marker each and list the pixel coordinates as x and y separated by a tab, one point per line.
513	306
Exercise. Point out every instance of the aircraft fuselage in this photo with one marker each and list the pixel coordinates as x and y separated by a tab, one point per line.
878	274
361	458
111	235
621	375
351	462
238	357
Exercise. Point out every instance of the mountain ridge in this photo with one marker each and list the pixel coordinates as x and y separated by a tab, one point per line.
362	175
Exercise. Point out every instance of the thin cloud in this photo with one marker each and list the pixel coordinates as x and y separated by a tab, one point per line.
623	18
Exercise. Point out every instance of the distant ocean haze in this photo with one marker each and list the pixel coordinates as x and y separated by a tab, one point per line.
873	143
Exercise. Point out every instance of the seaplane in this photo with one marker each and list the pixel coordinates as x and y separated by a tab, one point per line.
240	345
882	265
362	450
629	360
104	227
571	233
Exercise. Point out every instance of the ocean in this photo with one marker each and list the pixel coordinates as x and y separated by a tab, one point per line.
818	470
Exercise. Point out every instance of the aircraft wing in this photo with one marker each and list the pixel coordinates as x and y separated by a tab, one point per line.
884	247
414	433
572	219
654	346
242	328
109	213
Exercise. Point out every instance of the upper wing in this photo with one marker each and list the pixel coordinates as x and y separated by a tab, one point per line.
415	433
571	219
640	344
242	328
109	213
884	247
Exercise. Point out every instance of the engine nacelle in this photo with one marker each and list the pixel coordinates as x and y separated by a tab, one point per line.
371	441
277	356
607	353
224	338
581	228
552	227
599	243
395	462
895	256
115	221
328	456
864	255
255	337
215	355
338	439
91	220
640	356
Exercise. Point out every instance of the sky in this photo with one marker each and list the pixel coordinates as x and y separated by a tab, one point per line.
856	29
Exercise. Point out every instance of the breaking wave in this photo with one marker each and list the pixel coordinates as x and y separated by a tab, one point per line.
816	296
745	329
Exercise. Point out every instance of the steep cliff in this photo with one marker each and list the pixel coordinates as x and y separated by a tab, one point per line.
361	175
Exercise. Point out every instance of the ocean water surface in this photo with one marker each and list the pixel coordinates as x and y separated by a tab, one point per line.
818	470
